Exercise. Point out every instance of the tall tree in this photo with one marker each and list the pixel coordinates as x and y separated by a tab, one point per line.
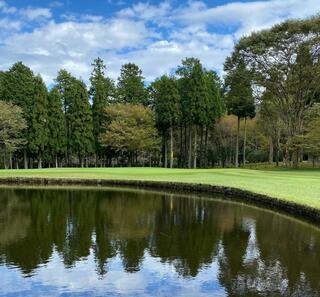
131	85
57	135
239	98
281	60
18	88
215	108
101	91
167	110
80	116
38	130
194	101
12	125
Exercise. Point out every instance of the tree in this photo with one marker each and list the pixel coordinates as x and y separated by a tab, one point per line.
281	60
167	110
131	85
57	135
194	100
311	138
38	130
239	98
18	88
101	91
12	125
215	107
80	116
131	130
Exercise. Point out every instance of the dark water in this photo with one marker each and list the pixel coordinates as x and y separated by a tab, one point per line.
86	242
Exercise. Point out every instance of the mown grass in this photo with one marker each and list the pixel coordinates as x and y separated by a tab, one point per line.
300	186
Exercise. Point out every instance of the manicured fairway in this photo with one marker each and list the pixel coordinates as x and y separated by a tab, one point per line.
300	186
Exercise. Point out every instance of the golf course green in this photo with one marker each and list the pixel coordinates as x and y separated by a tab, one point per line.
299	186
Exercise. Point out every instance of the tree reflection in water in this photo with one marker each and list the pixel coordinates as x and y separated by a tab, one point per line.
258	252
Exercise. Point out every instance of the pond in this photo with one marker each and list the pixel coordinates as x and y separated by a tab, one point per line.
121	242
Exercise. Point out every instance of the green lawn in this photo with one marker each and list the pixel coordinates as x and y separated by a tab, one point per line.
301	186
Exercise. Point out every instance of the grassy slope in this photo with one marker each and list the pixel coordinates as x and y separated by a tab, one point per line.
300	186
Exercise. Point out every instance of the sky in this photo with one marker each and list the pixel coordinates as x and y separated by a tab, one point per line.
48	35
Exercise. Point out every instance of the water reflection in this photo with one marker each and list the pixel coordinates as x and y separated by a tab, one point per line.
68	242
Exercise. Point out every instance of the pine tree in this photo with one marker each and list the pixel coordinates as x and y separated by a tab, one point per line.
57	134
131	85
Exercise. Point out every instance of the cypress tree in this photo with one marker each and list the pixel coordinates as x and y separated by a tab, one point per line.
81	136
18	88
131	85
101	91
57	134
167	108
38	130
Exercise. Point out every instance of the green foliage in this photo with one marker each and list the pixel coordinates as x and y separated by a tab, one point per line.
12	124
80	116
215	104
57	135
192	90
239	98
101	91
132	128
131	85
38	129
166	102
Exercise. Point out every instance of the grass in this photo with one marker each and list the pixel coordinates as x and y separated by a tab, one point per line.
299	186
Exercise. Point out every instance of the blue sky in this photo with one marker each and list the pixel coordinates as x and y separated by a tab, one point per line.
48	35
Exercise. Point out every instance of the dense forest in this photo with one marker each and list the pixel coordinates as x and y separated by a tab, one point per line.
263	109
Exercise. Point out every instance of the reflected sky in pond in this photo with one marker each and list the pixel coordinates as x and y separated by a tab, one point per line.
98	242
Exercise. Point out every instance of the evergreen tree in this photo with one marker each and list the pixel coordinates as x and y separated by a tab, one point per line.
239	98
80	116
57	134
215	109
38	130
66	87
102	90
167	109
194	100
18	88
131	85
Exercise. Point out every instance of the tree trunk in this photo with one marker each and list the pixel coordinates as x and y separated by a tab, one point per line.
25	159
165	165
195	155
56	161
237	145
181	146
40	163
206	148
185	153
270	150
10	161
244	141
171	147
201	148
190	148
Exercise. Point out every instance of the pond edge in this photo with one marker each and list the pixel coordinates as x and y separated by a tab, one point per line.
298	210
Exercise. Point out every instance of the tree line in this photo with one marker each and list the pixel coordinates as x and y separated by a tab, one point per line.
264	109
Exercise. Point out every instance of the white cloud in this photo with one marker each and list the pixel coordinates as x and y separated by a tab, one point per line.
35	13
156	37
